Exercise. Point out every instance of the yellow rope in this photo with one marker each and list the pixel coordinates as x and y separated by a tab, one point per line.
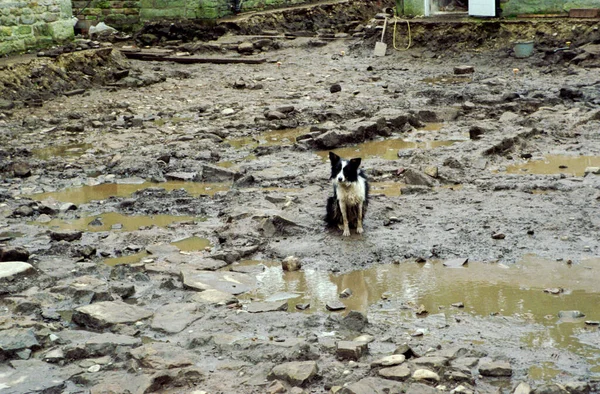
409	35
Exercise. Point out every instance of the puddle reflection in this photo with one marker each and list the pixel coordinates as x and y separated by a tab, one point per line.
556	164
385	149
113	221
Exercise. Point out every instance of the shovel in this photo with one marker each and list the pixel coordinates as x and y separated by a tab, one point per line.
381	47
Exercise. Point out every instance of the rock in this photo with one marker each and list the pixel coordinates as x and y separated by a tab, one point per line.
372	385
577	387
335	306
405	350
6	105
21	169
461	70
425	374
212	173
498	236
430	362
94	368
10	269
475	132
335	88
228	111
419	388
259	307
160	356
387	361
85	344
458	376
228	282
65	235
53	356
592	170
416	177
68	206
108	313
522	388
275	115
495	369
213	297
246	48
550	388
351	350
35	376
110	382
508	117
174	318
346	293
291	263
23	210
296	373
332	139
400	372
570	316
570	93
13	254
355	321
432	171
286	109
181	176
427	116
15	339
456	263
303	306
276	387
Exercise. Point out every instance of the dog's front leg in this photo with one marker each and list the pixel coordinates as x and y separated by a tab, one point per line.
359	229
345	219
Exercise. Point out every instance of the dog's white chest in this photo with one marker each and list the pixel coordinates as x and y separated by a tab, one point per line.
353	193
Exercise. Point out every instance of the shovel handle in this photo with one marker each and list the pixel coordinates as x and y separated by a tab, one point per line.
384	26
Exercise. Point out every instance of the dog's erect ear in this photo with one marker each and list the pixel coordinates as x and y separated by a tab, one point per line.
355	162
334	158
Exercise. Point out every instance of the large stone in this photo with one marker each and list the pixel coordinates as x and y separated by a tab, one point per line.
333	139
120	382
10	269
495	368
15	339
351	350
373	386
416	177
159	355
212	173
213	297
399	372
523	388
85	344
426	375
296	373
13	254
387	361
174	318
181	176
430	362
258	307
355	321
108	313
65	235
229	282
34	376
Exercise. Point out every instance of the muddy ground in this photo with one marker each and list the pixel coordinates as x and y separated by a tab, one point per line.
153	210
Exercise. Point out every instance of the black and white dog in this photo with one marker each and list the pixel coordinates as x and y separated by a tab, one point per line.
350	195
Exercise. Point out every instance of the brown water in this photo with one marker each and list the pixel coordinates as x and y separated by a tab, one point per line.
385	149
574	165
485	289
388	189
85	194
190	244
270	138
70	150
431	127
124	222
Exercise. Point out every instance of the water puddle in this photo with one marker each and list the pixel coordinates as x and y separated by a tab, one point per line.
190	244
70	150
556	164
270	138
447	79
174	120
431	127
113	221
388	189
9	235
85	194
484	289
385	149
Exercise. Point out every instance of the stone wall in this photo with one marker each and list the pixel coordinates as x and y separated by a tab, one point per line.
128	15
516	7
26	24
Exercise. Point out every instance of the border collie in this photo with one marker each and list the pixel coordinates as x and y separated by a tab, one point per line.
348	205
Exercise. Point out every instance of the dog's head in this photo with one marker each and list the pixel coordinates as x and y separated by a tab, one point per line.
344	171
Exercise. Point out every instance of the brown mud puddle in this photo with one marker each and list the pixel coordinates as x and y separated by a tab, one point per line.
385	149
85	194
270	138
556	164
484	289
113	221
190	244
64	151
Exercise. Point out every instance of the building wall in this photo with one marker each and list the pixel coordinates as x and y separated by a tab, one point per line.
515	7
128	15
26	24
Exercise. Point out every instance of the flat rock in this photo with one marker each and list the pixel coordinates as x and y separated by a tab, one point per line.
430	361
495	368
229	282
296	373
335	306
119	382
461	70
550	388
373	385
259	307
456	263
15	339
182	176
13	254
523	388
508	117
66	235
425	374
420	388
399	372
387	361
213	297
107	313
351	350
34	376
86	344
416	177
212	173
9	269
159	355
174	318
162	249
